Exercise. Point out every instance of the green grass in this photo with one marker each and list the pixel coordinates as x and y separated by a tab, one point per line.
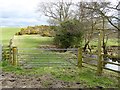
85	76
110	42
113	42
7	33
32	41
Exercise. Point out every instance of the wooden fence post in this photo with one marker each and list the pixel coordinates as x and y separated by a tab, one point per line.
14	62
100	58
0	52
10	55
80	57
10	51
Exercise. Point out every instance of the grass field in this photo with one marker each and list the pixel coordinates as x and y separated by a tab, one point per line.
7	33
110	42
31	41
84	76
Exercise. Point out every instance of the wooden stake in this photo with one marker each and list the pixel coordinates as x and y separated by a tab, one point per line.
0	52
14	56
80	57
100	58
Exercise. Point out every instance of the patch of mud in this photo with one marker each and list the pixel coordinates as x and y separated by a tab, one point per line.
10	80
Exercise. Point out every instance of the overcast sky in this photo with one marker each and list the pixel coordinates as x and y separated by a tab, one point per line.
23	12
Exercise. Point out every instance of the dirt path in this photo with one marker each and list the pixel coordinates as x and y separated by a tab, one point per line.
10	80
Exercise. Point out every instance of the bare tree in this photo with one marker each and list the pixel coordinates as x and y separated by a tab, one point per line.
90	14
90	19
103	8
56	11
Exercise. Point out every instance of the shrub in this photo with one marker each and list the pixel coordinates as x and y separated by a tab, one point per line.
43	30
69	34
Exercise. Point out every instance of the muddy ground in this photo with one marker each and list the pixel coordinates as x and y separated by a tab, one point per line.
10	80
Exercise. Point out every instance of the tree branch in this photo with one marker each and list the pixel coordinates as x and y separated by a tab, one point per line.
107	17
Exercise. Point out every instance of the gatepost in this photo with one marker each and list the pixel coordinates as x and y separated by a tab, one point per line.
0	52
100	56
15	62
80	57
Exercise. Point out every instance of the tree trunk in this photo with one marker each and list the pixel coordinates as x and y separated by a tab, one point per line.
85	47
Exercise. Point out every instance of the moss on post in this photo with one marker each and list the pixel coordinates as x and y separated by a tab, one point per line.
14	62
10	55
0	52
80	57
100	57
10	51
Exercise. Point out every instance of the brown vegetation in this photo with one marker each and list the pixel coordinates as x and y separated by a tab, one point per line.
42	30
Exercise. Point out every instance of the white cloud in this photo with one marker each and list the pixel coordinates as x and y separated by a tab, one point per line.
22	12
21	21
14	12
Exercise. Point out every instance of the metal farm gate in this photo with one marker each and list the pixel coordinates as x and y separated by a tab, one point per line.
38	57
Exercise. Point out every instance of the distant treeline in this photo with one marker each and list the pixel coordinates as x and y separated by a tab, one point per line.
42	30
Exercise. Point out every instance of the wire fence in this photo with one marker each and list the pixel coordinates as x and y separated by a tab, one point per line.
0	52
54	57
37	57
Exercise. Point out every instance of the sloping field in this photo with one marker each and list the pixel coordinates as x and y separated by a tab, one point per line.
31	41
7	33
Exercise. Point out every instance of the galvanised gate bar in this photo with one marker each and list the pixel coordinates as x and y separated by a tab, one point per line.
37	57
